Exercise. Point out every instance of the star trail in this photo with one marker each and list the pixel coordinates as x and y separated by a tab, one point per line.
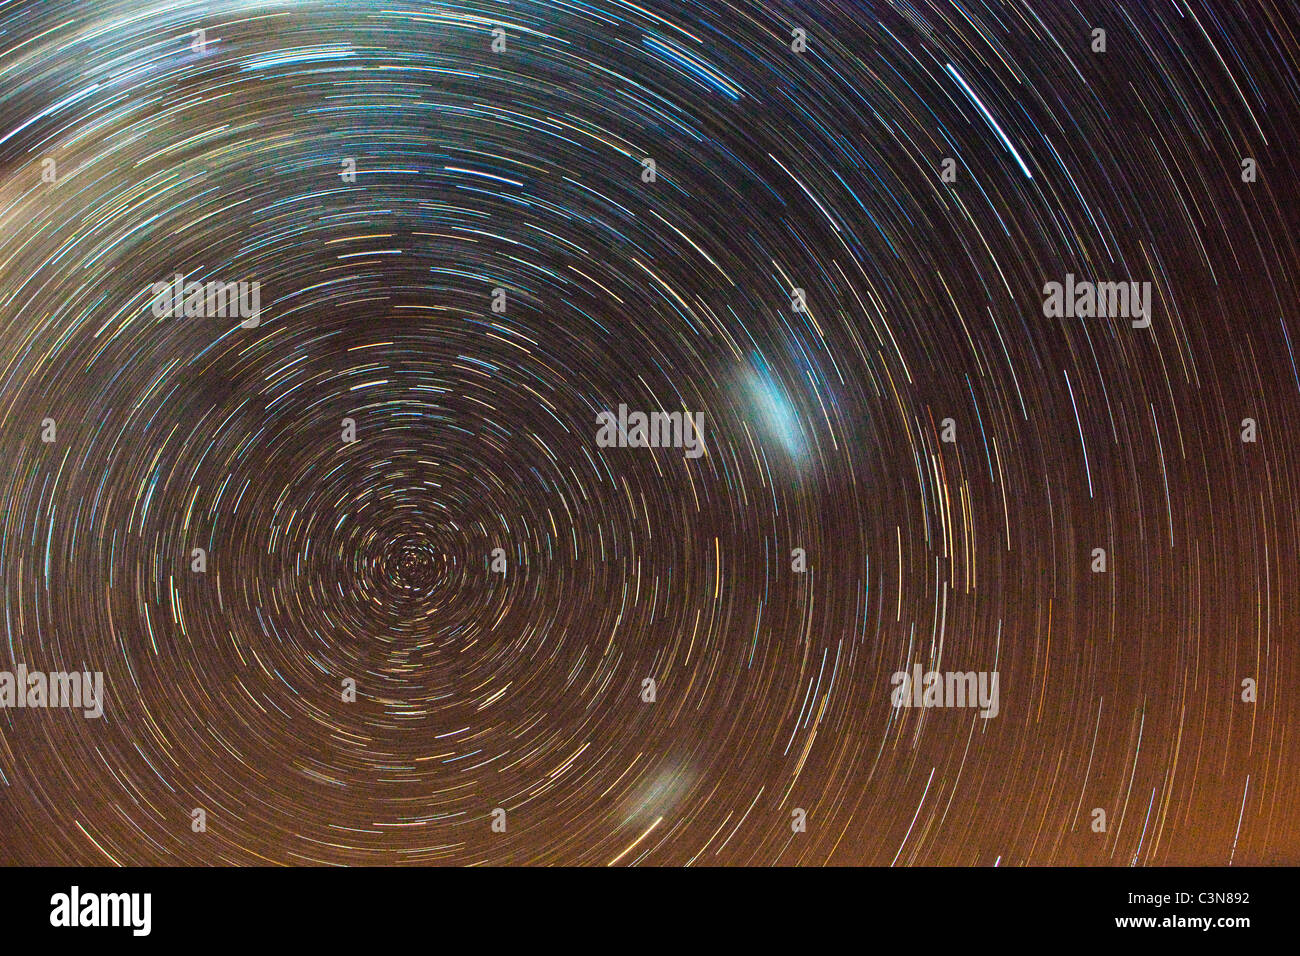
311	314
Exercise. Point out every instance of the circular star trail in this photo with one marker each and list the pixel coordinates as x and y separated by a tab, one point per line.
364	586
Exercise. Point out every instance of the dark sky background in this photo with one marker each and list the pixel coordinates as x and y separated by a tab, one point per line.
523	170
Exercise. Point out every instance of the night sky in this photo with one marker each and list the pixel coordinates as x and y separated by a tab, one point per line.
947	456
